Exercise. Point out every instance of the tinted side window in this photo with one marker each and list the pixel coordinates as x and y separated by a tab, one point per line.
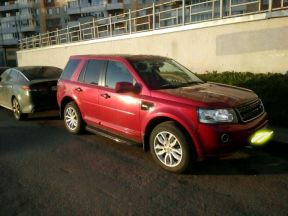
69	69
21	78
117	72
12	76
91	71
5	75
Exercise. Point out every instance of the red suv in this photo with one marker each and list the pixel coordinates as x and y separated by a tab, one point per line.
158	103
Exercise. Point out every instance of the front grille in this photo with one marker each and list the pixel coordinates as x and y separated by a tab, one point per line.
250	111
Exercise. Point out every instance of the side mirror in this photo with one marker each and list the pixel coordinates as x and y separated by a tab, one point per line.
125	87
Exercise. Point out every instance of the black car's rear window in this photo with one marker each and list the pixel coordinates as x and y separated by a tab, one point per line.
69	69
35	73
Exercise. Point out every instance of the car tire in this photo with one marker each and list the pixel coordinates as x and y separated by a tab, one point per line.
171	148
16	108
73	119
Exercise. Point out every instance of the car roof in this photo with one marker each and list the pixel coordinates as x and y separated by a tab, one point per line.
129	57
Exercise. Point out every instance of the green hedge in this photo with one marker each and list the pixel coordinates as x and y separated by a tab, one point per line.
272	88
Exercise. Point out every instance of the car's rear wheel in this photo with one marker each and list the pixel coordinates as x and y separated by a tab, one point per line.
170	147
17	110
73	119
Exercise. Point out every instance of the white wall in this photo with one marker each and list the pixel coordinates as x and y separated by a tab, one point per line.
235	44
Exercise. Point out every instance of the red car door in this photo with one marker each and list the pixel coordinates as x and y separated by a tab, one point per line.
119	111
87	90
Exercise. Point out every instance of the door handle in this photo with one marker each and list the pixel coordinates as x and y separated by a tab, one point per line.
106	96
78	89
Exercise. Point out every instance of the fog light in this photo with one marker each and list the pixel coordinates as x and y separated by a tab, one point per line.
225	138
261	137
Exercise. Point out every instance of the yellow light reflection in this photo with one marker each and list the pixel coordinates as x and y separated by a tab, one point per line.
129	100
261	137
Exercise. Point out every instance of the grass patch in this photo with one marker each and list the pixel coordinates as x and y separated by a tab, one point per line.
272	88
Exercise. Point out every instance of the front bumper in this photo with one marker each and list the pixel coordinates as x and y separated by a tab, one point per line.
210	136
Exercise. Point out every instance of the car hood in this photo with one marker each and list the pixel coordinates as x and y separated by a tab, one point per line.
211	95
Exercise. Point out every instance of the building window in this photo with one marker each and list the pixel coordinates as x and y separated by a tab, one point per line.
50	11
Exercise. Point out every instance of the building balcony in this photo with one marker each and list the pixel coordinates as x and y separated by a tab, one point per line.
26	5
30	28
115	6
87	8
24	16
54	16
73	10
13	41
8	7
7	19
93	8
9	30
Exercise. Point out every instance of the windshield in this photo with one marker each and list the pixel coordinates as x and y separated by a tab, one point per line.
36	73
164	73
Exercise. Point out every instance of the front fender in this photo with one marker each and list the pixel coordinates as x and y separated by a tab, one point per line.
186	117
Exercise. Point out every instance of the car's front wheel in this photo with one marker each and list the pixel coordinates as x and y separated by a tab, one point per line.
170	147
73	119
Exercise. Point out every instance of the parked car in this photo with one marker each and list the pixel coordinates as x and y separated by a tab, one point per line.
159	103
29	89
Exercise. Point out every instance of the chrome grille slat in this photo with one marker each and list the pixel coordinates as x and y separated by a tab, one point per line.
250	111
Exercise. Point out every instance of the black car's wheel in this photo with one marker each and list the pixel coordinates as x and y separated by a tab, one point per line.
170	147
17	110
73	119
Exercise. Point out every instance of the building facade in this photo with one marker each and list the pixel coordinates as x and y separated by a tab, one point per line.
24	18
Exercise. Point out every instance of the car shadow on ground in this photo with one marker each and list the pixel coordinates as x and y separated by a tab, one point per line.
48	115
270	159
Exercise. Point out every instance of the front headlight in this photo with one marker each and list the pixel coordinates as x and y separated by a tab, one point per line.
212	116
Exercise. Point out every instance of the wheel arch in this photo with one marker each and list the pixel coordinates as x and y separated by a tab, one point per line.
160	119
17	98
64	101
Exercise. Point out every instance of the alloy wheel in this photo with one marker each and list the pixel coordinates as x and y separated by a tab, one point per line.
168	149
71	118
16	109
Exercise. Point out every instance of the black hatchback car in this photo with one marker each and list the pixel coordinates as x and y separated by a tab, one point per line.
29	89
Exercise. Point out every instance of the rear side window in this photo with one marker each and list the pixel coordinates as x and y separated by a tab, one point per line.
36	73
12	76
91	71
117	72
5	75
69	69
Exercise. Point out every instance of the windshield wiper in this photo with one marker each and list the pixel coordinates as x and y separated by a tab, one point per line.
167	86
190	83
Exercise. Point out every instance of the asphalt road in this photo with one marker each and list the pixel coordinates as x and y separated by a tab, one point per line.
44	170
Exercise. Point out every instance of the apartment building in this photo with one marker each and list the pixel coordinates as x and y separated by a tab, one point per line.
56	14
24	18
84	10
17	21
